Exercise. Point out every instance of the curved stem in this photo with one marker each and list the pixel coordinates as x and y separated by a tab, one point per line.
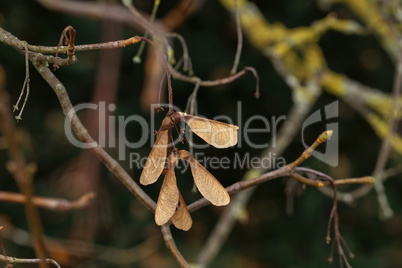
239	38
83	135
23	173
167	236
218	82
56	204
167	69
13	260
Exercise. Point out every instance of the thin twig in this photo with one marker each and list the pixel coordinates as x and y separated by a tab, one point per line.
393	171
167	70
137	57
187	67
227	219
333	219
14	260
57	204
64	49
70	41
278	143
83	135
83	250
78	127
27	83
35	52
191	108
24	86
386	211
3	250
248	182
22	173
362	180
239	38
102	11
167	236
219	82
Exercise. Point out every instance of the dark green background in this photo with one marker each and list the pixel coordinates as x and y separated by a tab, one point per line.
269	238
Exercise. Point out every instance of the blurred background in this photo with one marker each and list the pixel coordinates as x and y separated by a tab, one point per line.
116	230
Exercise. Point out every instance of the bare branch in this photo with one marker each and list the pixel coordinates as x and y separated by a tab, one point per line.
57	204
385	209
101	10
167	236
22	173
14	260
83	135
239	38
218	82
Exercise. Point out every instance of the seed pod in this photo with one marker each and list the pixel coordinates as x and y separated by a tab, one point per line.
169	194
156	159
206	183
218	134
182	219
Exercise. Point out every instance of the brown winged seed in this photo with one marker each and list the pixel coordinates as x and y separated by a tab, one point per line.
156	159
182	219
206	183
218	134
169	194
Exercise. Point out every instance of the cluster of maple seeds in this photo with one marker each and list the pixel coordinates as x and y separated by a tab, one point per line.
170	204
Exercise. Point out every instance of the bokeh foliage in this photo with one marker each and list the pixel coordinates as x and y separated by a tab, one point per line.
269	237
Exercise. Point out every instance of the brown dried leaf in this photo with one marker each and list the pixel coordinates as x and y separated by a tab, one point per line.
168	196
218	134
206	183
182	219
156	160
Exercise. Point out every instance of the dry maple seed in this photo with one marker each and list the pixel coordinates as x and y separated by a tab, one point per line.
206	183
169	194
157	157
170	204
215	133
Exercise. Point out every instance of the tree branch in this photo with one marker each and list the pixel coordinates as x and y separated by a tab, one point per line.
167	236
101	10
22	172
13	260
57	204
83	135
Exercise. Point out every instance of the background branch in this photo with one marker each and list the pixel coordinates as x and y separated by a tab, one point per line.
13	260
21	171
83	135
56	204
